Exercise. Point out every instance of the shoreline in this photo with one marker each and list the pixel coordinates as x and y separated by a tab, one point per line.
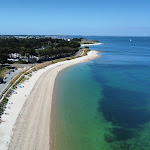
91	44
26	125
95	57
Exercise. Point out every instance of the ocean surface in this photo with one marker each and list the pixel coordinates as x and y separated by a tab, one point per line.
104	104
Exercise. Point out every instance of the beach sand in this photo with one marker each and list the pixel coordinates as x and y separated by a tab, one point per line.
26	123
91	44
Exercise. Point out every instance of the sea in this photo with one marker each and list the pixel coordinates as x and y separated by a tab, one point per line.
104	104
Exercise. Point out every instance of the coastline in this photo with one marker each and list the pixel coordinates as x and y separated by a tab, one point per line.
24	110
91	44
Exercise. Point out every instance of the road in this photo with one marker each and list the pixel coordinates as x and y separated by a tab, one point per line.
8	79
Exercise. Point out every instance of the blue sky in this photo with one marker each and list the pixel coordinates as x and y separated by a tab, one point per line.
78	17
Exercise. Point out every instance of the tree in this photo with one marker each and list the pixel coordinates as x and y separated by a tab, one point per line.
3	58
46	48
22	53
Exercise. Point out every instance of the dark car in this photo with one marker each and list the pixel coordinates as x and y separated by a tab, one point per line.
8	72
1	80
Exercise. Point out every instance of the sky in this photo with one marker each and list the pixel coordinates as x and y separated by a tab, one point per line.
75	17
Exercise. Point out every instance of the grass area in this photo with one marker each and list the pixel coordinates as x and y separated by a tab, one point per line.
3	70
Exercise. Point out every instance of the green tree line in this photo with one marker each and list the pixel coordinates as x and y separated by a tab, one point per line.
45	48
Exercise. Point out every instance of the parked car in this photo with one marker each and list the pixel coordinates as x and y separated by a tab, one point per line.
8	72
5	78
1	80
12	70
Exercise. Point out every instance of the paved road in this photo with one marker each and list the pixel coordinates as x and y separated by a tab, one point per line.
10	76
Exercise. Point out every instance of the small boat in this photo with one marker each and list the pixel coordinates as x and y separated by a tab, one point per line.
130	40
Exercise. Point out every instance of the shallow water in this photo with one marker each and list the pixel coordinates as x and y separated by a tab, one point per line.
105	104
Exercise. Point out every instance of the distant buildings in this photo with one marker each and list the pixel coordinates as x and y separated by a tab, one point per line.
26	36
15	57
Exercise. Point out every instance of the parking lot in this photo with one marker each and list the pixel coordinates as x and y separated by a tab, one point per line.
8	78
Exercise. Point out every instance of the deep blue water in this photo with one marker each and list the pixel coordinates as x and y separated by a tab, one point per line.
123	76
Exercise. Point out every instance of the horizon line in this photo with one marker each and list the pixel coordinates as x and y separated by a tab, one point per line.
73	35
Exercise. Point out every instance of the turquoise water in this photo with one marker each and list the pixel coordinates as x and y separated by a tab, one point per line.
105	104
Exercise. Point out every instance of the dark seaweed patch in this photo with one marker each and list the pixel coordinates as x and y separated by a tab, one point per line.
126	110
119	134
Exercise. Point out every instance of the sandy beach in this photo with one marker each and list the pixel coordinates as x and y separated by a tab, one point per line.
91	44
26	121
